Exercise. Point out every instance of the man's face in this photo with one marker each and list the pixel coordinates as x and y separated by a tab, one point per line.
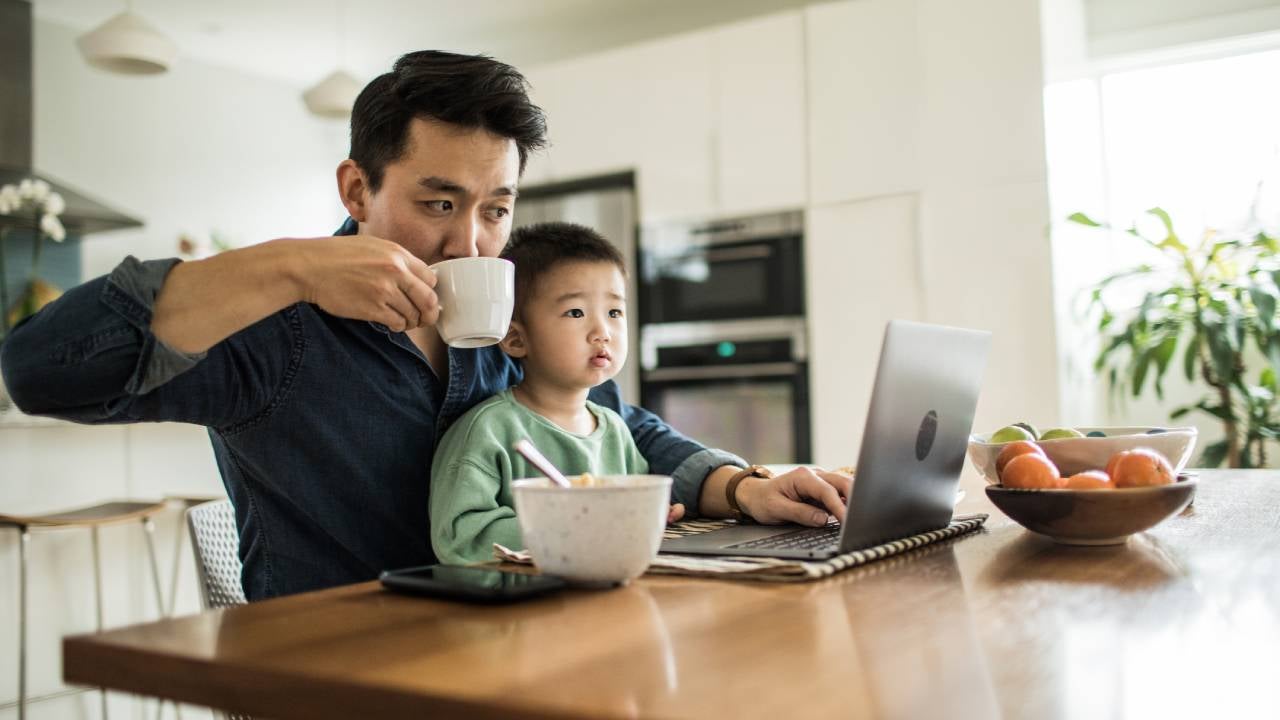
574	325
450	195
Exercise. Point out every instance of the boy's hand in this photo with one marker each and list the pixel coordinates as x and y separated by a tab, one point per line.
675	513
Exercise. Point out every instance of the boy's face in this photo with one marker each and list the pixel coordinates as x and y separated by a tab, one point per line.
572	331
450	195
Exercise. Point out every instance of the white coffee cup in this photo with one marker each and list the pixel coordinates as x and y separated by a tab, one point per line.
601	535
477	295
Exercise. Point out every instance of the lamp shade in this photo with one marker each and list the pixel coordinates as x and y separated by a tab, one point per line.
333	96
127	44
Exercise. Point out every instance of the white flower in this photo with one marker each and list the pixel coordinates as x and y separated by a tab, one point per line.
9	199
54	204
40	191
51	226
26	189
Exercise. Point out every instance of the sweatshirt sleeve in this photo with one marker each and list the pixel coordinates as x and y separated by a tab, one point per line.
466	515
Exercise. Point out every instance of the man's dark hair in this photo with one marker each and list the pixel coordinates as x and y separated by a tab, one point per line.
472	91
537	249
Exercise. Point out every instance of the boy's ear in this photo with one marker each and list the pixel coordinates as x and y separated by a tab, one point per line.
513	343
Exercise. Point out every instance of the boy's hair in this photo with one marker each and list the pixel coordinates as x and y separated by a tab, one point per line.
537	249
472	91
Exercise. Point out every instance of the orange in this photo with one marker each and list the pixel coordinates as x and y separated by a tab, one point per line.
1031	471
1013	450
1140	467
1090	480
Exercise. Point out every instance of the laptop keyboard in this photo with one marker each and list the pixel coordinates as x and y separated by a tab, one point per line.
819	538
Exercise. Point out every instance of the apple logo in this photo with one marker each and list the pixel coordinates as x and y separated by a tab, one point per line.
928	431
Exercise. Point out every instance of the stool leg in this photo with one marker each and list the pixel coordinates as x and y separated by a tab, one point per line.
97	598
178	544
150	527
22	622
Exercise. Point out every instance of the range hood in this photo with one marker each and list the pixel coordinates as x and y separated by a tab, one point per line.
83	215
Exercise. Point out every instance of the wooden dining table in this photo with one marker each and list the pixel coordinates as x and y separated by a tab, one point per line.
1180	621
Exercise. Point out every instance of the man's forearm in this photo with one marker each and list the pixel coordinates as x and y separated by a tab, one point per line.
206	301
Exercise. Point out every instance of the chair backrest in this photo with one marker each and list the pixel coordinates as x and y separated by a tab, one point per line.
217	546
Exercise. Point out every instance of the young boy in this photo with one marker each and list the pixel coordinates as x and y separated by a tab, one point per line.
569	332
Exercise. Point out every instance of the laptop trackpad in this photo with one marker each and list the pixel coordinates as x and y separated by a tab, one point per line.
724	537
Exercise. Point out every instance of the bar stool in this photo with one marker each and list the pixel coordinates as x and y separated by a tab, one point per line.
92	517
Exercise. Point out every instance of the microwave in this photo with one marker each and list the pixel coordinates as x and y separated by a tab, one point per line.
750	267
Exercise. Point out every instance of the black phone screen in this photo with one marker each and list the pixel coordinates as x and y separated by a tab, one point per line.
469	583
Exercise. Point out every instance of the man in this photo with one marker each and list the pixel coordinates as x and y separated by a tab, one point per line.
315	363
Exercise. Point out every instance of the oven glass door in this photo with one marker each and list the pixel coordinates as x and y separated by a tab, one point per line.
762	419
742	280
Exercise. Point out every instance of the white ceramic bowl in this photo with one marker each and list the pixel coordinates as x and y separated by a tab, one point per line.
1073	455
601	535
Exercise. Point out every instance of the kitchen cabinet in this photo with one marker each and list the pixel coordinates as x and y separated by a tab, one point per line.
759	86
864	99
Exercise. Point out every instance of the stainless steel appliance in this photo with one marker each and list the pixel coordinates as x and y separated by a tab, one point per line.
739	385
724	351
750	267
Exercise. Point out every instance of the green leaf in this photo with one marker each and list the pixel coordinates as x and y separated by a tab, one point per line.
1190	357
1214	454
1222	413
1163	353
1140	365
1081	218
1265	302
1180	412
1171	238
1267	379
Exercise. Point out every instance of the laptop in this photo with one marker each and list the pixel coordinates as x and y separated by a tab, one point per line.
913	450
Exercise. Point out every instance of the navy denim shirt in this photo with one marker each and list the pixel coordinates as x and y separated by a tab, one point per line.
323	428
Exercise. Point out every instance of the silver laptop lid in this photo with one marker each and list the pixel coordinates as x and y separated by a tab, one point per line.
917	432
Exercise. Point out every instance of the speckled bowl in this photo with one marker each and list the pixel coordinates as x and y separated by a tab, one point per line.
1073	455
601	535
1093	517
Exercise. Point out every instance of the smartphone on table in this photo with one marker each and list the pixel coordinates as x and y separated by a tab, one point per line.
473	584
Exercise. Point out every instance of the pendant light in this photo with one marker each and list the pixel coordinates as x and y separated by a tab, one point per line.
334	96
127	44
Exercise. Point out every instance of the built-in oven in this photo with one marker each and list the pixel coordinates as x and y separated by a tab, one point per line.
738	385
751	267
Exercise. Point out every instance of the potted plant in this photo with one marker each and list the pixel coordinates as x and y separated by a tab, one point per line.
1210	307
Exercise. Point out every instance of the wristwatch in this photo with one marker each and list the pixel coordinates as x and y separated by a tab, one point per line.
731	490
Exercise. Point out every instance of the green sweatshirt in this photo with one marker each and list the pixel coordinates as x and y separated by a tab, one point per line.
471	501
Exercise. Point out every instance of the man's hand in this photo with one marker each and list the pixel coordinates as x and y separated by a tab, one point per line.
805	495
674	513
367	278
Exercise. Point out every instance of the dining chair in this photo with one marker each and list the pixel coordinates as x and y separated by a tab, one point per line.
216	543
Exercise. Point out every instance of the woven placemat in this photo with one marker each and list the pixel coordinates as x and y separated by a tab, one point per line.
773	569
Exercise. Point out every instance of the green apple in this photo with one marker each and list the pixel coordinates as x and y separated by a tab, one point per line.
1029	428
1060	433
1009	433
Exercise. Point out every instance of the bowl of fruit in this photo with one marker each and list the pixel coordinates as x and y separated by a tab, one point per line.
1075	450
1134	491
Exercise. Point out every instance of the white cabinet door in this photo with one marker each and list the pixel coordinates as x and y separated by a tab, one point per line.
863	268
645	107
864	97
759	81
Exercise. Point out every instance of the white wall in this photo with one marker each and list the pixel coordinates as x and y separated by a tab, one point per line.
195	150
